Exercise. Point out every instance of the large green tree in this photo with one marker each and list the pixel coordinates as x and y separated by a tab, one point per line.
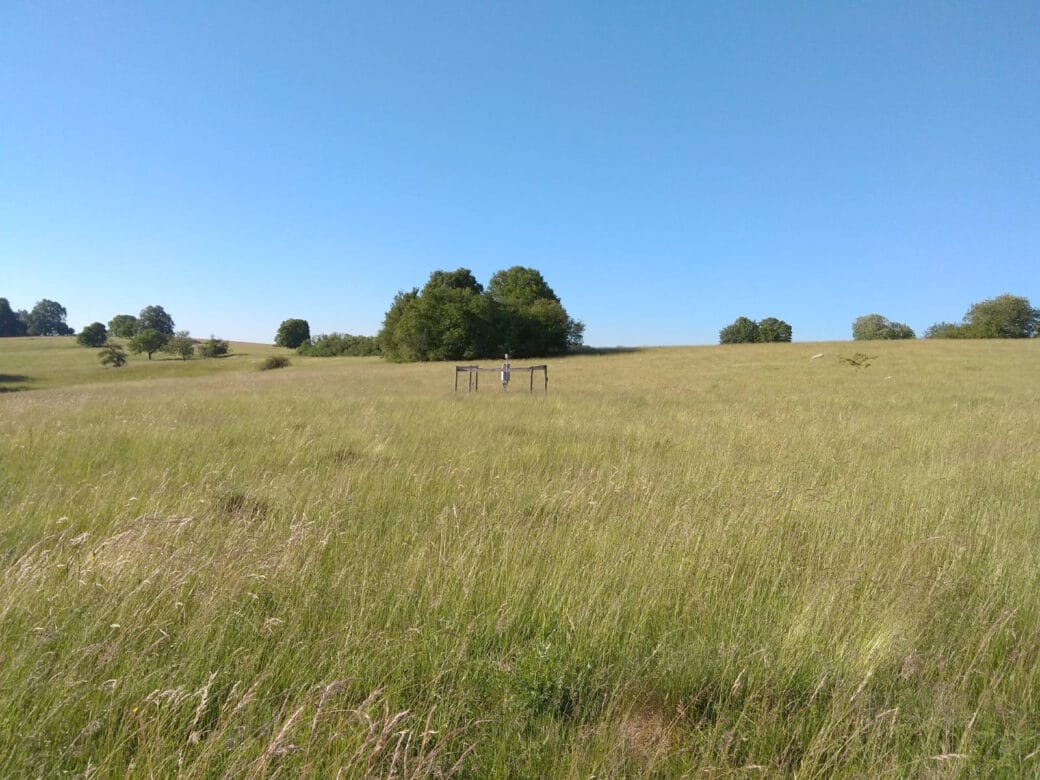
155	318
11	324
1003	317
773	330
448	320
743	330
123	325
871	327
529	317
292	333
391	338
93	335
48	319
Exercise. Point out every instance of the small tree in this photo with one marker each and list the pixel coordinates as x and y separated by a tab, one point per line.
741	331
93	335
292	333
112	355
181	345
149	341
123	325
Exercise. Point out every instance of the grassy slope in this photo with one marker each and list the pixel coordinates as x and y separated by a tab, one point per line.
679	560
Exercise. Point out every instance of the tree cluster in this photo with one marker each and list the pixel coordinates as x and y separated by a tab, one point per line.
1004	317
152	330
873	327
453	317
744	330
47	318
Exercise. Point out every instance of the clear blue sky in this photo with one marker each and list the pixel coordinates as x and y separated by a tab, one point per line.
667	166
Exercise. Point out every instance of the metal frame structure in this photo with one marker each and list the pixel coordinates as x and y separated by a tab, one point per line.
474	373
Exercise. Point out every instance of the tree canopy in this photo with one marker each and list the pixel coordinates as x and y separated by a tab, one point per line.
871	327
1004	317
773	330
454	318
155	318
93	335
292	333
744	330
148	341
11	324
48	319
123	325
181	345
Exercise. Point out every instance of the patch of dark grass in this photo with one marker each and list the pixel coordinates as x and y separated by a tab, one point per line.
235	505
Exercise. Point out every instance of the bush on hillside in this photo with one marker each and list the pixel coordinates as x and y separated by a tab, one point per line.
214	348
274	361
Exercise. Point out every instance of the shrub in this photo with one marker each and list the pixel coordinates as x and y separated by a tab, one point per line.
275	361
214	348
112	355
336	344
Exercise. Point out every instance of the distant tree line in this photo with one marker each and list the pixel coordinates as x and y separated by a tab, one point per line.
151	331
47	318
1004	317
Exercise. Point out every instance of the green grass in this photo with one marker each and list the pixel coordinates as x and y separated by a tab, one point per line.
44	361
711	562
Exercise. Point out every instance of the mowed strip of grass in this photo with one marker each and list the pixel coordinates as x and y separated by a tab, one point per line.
678	561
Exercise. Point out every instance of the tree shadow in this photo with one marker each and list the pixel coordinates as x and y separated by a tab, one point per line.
8	379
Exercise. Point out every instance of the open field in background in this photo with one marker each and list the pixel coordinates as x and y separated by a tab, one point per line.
714	562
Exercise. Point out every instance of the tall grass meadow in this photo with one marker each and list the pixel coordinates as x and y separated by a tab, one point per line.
708	562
